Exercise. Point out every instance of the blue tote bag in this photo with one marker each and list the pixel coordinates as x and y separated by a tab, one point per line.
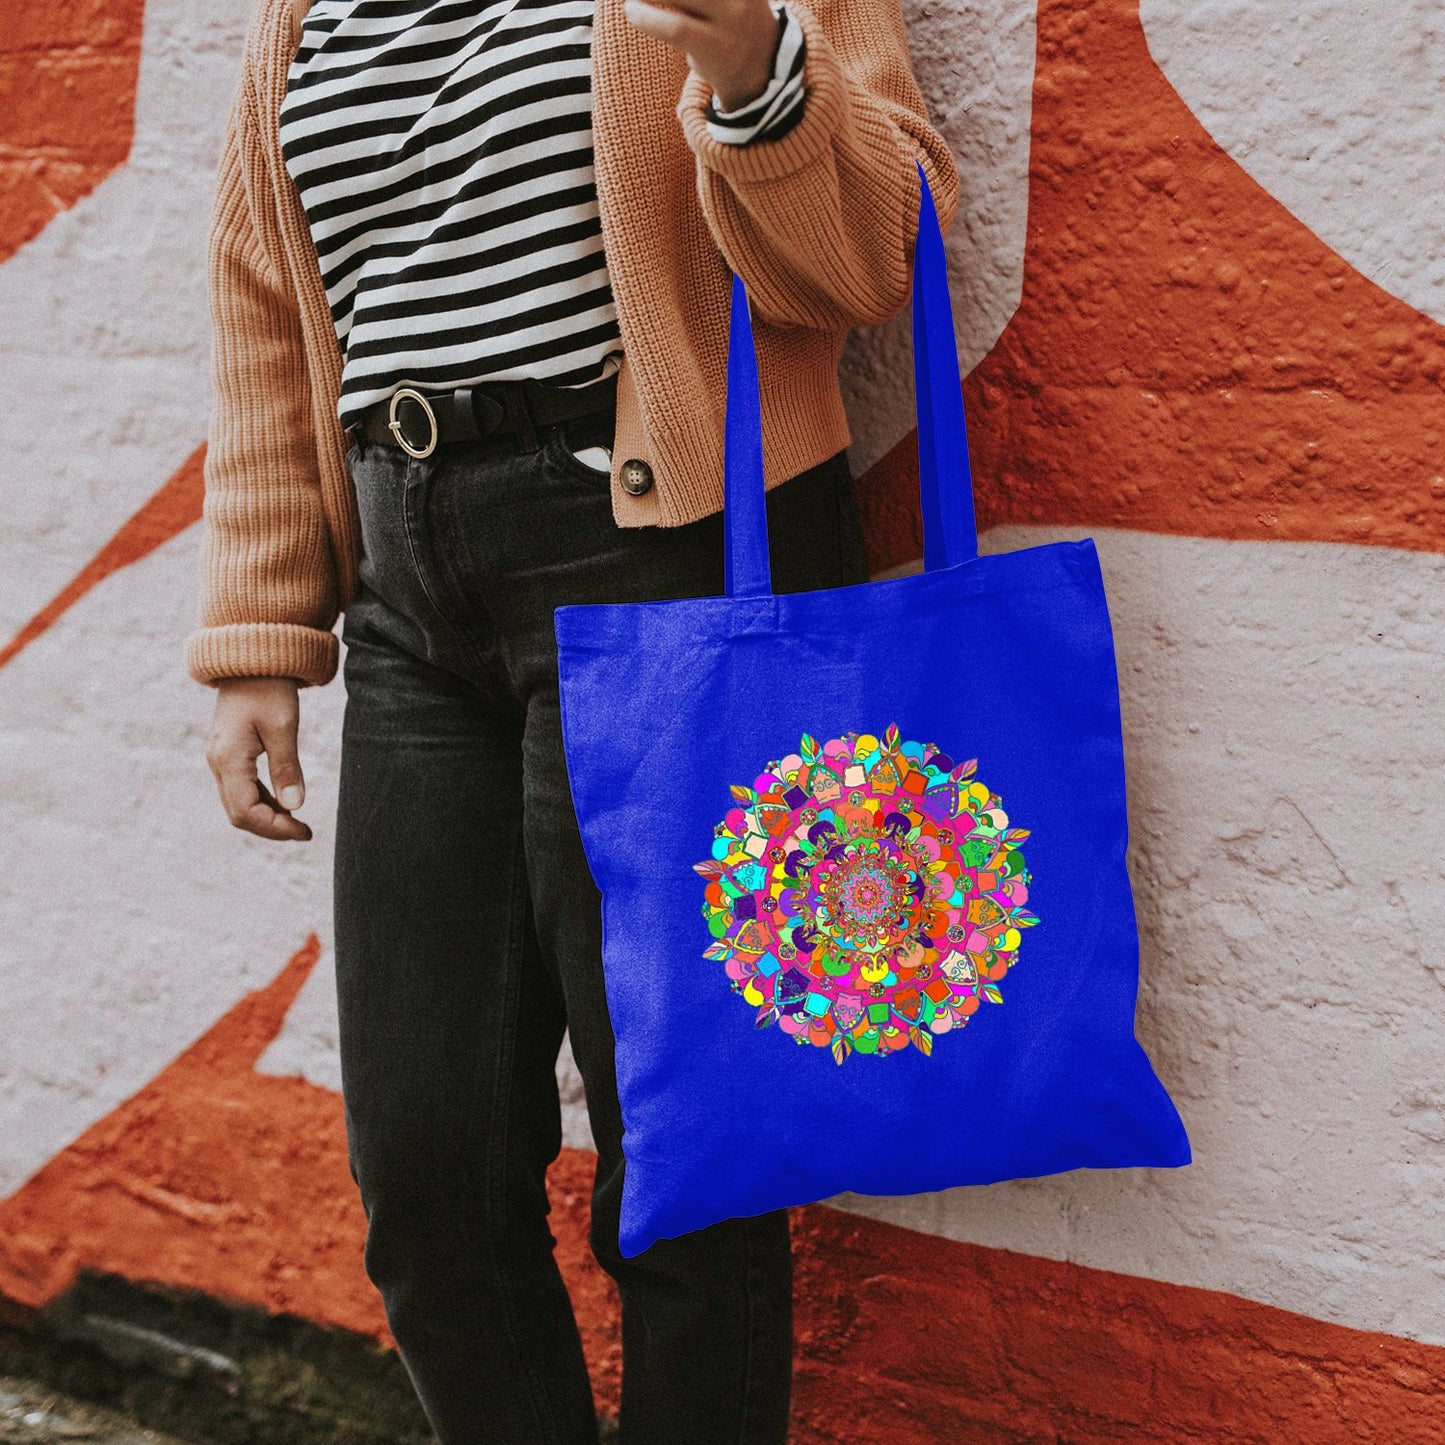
866	920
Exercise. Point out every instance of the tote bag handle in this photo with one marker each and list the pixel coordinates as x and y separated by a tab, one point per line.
950	533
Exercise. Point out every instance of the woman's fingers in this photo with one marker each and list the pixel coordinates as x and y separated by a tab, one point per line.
679	28
730	43
278	737
246	800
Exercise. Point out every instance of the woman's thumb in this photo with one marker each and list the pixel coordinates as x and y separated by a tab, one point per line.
284	766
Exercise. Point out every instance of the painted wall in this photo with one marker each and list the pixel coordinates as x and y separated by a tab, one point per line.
1201	301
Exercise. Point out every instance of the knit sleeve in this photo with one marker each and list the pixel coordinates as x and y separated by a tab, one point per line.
821	223
268	593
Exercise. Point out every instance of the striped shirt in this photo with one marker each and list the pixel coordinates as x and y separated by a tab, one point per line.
442	153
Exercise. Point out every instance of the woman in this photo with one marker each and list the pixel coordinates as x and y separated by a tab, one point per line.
470	266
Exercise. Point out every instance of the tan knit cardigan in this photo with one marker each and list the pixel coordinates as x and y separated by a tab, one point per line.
820	225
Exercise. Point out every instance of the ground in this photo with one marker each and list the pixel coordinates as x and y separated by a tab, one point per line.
38	1415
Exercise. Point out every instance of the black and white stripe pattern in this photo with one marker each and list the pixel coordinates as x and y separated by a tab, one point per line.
442	151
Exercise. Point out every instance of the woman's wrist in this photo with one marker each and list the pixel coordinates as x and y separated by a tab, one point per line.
779	107
745	94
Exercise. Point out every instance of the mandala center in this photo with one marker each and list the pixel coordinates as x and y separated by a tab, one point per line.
865	895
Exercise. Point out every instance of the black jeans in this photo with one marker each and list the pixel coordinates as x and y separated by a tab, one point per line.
468	937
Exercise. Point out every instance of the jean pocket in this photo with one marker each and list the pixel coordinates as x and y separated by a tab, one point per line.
559	452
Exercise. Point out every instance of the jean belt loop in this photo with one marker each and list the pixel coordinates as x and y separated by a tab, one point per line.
521	418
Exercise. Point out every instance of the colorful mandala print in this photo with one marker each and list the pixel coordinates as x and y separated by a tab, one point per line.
867	894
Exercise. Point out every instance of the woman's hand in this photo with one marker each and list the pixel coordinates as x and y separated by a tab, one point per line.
730	43
256	715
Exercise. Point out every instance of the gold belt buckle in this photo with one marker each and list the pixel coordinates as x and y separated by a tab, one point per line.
394	426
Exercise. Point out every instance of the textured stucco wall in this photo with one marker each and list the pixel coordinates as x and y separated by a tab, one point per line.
1281	688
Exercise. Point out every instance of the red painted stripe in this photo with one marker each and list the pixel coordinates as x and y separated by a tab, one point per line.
67	106
903	1336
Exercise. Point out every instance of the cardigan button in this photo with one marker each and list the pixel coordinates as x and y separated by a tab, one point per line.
636	477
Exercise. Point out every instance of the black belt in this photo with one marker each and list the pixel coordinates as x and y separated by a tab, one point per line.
420	421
